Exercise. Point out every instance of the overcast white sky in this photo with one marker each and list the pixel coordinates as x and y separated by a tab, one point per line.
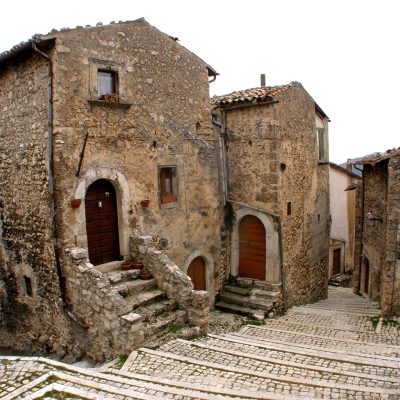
346	53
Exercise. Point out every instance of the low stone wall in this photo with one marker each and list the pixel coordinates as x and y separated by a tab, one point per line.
99	311
177	285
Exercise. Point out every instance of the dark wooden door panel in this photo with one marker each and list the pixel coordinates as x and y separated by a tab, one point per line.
336	261
197	273
252	248
102	222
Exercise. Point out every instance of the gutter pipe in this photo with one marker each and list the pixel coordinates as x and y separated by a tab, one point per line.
50	154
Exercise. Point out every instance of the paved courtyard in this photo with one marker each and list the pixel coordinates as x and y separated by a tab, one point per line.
337	348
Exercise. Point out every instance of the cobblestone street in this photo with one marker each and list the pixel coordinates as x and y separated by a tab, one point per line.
327	350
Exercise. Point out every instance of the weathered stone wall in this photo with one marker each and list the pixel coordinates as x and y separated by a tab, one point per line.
272	153
33	321
167	123
374	235
390	301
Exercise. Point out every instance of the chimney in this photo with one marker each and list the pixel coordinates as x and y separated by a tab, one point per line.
262	80
349	165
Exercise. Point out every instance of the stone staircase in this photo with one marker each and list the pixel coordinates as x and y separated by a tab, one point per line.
253	298
146	303
338	348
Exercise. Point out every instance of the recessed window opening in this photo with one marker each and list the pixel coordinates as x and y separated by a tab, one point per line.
319	217
289	208
321	144
106	82
168	185
27	286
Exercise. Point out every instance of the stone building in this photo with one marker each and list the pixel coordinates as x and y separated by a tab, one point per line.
377	258
105	132
276	178
342	182
111	150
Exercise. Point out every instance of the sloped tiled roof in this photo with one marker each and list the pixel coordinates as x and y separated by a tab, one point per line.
378	157
254	95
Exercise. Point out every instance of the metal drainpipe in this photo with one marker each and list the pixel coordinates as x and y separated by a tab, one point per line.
277	217
362	227
50	153
222	157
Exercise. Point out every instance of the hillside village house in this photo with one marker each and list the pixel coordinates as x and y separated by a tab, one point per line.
111	149
377	259
342	185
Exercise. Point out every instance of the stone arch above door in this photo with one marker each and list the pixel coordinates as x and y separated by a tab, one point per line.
120	184
272	260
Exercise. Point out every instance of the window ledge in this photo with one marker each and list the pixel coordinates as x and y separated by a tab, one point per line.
164	206
119	104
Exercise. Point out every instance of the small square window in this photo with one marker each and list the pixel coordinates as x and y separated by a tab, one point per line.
168	185
107	82
27	286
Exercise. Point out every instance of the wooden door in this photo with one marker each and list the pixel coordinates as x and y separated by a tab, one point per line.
337	258
102	222
197	273
252	249
366	275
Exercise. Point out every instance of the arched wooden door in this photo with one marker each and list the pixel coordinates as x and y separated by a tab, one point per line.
197	273
252	248
102	222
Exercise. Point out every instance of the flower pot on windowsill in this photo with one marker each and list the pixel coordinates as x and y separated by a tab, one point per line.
168	198
145	203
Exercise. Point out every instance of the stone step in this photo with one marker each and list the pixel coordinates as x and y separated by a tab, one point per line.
217	374
237	290
334	332
238	359
355	311
253	303
268	335
134	287
107	267
307	357
52	379
175	319
154	310
142	299
119	276
241	310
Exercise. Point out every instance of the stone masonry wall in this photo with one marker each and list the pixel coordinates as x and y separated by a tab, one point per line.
30	320
305	184
167	123
390	300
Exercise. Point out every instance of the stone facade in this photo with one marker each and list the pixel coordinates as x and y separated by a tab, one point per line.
124	107
277	171
56	130
377	263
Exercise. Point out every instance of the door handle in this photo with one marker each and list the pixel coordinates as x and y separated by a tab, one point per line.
99	204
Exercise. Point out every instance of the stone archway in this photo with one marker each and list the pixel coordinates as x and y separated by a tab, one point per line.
208	265
120	184
272	257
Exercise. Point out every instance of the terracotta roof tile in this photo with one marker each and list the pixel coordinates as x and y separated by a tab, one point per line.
377	157
254	95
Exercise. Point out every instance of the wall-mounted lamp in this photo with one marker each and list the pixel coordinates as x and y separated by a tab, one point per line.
371	216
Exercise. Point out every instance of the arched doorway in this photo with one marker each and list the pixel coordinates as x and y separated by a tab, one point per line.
197	273
252	248
102	222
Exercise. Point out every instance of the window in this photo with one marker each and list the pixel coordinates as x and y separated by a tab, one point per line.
289	208
168	185
106	82
321	144
27	286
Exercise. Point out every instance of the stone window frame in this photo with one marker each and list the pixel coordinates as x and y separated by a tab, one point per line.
117	68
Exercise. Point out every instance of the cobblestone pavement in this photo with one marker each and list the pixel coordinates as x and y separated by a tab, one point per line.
337	348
